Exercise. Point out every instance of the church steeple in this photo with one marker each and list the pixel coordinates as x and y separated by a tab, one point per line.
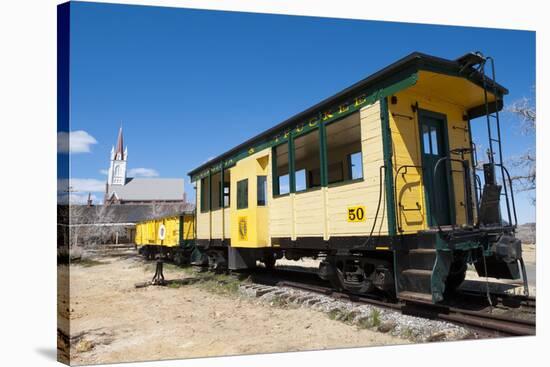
120	145
117	170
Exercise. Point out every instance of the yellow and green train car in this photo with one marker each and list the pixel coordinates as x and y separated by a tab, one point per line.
378	180
170	236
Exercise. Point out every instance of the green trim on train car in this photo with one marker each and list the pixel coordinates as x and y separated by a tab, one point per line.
275	177
209	190
291	165
388	175
221	195
323	153
371	95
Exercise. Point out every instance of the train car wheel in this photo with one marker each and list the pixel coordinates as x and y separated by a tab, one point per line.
269	261
456	276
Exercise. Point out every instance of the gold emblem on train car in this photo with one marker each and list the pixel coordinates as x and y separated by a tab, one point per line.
243	229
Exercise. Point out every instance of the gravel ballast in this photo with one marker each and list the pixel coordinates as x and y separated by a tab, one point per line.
384	320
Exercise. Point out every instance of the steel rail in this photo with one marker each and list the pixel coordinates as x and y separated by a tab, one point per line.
483	320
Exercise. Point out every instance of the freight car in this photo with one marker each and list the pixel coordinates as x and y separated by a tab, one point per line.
381	181
170	237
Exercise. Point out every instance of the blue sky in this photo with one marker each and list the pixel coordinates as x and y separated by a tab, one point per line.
188	85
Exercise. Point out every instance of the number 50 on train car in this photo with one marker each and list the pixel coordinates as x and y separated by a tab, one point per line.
356	213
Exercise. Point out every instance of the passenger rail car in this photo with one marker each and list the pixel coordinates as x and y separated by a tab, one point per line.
170	236
379	181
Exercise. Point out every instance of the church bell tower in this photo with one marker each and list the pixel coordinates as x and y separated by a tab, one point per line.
117	170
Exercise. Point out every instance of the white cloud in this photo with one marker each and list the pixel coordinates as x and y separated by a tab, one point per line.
76	142
104	171
142	172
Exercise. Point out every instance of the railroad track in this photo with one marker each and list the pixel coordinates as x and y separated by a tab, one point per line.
484	321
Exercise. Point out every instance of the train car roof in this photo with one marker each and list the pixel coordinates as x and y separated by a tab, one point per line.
462	67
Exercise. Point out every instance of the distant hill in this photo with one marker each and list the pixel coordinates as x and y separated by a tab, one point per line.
527	232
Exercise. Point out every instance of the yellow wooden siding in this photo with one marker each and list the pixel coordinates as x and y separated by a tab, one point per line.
151	232
323	212
255	217
309	214
406	151
188	227
217	224
147	232
171	237
280	216
227	223
366	192
138	238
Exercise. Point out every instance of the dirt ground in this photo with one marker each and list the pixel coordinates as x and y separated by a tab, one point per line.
112	321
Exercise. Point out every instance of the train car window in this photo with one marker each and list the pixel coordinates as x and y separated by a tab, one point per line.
262	190
226	188
205	194
435	143
344	153
301	180
307	158
355	162
281	182
426	139
242	194
216	190
226	195
284	184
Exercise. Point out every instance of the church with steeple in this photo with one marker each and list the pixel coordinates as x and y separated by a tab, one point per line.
121	189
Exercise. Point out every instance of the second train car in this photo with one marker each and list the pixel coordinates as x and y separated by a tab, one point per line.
170	236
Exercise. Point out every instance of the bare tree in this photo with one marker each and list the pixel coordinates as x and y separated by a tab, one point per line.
525	174
93	225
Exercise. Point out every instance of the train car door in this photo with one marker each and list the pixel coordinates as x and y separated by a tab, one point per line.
434	146
249	214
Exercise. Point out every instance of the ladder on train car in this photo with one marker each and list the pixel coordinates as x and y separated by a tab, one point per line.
494	151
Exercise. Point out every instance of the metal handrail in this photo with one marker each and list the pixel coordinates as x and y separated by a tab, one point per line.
398	205
437	165
504	169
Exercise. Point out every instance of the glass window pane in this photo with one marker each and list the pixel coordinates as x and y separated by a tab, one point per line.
226	196
284	184
242	194
435	143
356	165
280	171
227	188
426	139
262	190
301	180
